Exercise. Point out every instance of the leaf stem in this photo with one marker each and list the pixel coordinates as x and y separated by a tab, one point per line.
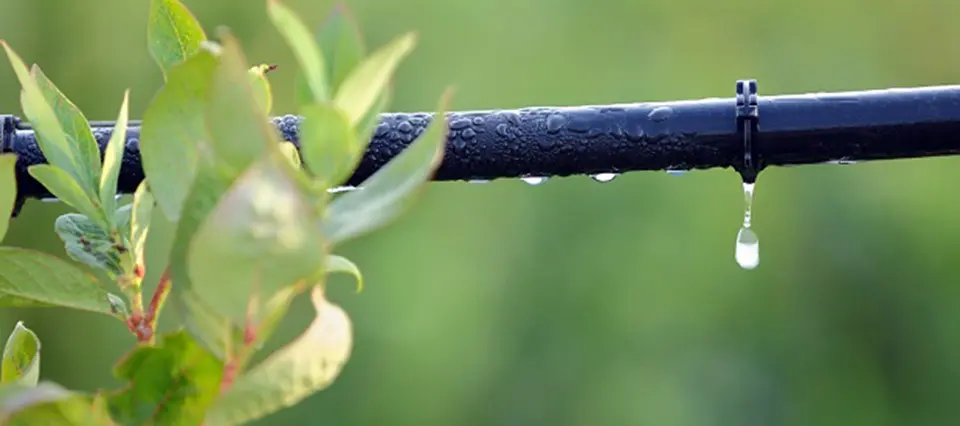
157	302
235	362
143	325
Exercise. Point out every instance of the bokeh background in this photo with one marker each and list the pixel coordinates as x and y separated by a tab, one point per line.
580	303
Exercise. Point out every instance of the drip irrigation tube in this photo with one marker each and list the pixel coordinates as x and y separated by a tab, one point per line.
746	132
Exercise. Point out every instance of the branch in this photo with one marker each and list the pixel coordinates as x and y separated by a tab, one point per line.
565	141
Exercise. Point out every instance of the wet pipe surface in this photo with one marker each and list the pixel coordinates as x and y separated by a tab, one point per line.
605	140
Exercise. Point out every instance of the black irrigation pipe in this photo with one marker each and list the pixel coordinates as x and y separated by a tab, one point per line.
746	132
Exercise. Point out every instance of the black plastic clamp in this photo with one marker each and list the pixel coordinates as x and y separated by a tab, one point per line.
748	127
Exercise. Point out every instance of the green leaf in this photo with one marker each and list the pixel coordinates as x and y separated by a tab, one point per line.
371	77
276	309
260	238
240	133
62	186
51	139
307	365
210	328
121	217
87	243
141	215
330	147
172	383
387	194
21	357
305	49
173	131
341	264
34	277
366	127
213	179
173	33
289	151
342	44
8	301
154	255
216	332
261	86
77	129
50	404
8	190
112	160
343	48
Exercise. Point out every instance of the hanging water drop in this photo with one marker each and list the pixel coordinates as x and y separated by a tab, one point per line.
346	188
604	177
747	252
534	180
842	162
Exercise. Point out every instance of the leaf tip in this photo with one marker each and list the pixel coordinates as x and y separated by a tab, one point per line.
410	39
224	33
339	8
10	52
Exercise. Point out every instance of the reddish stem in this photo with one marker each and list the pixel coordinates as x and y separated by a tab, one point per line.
144	326
233	363
229	374
159	296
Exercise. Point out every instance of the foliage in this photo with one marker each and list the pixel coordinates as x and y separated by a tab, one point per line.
232	223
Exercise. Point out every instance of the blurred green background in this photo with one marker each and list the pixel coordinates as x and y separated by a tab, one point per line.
580	303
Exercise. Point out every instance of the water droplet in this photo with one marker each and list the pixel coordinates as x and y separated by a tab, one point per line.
635	132
545	142
345	188
747	251
405	127
660	114
677	172
511	116
604	177
468	134
555	122
584	120
842	162
534	180
460	124
503	130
